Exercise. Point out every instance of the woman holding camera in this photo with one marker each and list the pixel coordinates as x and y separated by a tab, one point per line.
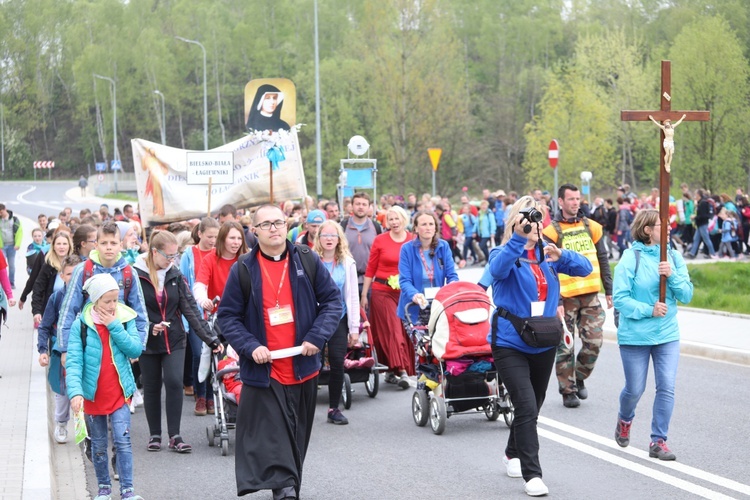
525	288
648	328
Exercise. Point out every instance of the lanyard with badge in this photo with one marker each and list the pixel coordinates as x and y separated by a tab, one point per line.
278	314
430	291
537	307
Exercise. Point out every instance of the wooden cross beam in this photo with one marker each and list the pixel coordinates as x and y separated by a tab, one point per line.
665	113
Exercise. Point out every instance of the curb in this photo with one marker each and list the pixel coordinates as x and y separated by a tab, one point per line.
698	349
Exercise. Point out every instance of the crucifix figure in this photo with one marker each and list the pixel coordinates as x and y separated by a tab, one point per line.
664	116
668	143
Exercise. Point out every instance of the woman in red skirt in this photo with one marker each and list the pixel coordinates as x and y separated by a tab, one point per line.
388	335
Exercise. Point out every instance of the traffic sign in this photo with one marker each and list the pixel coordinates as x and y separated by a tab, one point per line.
44	164
101	166
554	153
100	177
434	157
116	165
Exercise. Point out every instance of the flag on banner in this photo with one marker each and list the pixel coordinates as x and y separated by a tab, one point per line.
161	174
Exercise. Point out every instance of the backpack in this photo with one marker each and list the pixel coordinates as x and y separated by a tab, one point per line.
635	273
127	279
309	265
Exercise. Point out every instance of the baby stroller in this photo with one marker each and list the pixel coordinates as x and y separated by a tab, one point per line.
455	371
225	401
360	366
221	372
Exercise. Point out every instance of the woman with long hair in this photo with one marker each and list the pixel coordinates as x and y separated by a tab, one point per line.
648	328
425	264
393	346
333	249
168	300
214	269
84	240
525	288
49	278
205	235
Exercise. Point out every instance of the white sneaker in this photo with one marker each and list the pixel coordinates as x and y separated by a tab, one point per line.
536	487
512	466
61	432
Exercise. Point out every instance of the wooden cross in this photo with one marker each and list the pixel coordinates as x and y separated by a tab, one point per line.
664	113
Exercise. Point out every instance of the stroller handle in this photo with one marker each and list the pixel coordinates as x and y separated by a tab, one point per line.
407	314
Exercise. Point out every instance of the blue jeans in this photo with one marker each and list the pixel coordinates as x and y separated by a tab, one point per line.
623	240
635	359
10	256
120	420
702	234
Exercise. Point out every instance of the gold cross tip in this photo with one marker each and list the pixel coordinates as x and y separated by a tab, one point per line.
667	96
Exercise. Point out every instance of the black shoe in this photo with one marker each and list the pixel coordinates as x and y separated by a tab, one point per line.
571	400
583	393
690	256
622	432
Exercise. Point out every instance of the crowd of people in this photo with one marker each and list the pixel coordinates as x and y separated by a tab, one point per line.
122	313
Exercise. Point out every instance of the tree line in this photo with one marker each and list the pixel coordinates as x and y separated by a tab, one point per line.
491	82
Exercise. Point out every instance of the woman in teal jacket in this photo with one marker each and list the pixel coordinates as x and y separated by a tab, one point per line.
648	328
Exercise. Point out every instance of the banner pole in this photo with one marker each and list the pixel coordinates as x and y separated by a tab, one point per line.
210	181
270	181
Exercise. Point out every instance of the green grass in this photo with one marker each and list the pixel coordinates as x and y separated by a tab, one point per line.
120	196
721	286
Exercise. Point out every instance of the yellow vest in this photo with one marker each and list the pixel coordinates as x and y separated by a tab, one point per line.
575	237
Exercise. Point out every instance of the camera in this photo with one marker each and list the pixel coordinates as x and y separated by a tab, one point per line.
531	214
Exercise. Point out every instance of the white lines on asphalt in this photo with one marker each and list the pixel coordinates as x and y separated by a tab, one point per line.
24	193
21	199
610	443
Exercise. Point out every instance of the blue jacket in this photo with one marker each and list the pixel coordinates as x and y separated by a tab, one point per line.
48	326
635	294
514	287
73	302
470	225
486	225
317	311
410	269
82	367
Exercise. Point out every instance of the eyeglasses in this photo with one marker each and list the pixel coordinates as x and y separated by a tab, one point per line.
174	256
266	226
329	236
90	241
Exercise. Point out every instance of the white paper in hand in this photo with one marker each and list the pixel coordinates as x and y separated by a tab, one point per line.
286	353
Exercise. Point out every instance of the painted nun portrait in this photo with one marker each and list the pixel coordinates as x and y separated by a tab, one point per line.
265	112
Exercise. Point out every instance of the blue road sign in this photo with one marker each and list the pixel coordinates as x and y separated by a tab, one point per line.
116	165
101	166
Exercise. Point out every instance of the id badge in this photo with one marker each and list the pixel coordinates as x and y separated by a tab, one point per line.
430	292
537	308
280	315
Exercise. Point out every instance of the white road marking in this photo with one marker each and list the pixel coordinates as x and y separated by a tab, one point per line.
21	199
627	464
641	454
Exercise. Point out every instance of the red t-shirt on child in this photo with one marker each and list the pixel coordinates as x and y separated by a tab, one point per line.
109	396
214	274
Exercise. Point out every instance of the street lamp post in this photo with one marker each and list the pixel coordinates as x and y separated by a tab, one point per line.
163	118
318	160
115	154
205	93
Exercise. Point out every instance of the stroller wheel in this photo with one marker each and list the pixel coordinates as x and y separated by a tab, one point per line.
491	410
372	383
224	447
438	415
508	415
210	435
420	408
346	392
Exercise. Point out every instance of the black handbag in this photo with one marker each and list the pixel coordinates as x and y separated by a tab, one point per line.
538	331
